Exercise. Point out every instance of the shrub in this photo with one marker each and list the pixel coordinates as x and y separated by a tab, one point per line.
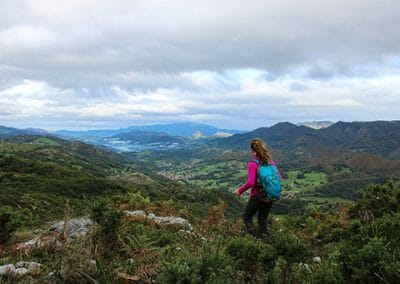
281	272
9	223
179	270
211	266
379	200
137	200
387	227
109	219
253	257
373	262
327	273
291	247
249	250
164	237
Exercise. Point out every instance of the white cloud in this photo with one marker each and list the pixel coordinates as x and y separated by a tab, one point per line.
228	62
328	37
326	103
254	100
26	37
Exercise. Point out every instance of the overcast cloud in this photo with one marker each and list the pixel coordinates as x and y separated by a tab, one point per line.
236	64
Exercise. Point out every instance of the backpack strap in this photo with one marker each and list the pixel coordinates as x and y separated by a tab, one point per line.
258	162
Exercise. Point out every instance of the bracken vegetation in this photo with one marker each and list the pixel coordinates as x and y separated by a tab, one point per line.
357	244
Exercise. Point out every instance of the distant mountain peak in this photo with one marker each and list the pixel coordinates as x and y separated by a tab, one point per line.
316	124
284	125
221	135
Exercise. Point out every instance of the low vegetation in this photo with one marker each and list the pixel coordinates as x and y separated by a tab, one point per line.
358	244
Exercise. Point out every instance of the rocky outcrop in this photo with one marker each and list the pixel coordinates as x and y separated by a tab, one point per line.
79	227
74	227
20	268
168	220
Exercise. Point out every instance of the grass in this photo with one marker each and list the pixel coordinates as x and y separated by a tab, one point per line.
310	180
46	141
325	200
212	175
323	203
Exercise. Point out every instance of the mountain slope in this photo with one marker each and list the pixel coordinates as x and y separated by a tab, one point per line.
378	137
282	135
6	132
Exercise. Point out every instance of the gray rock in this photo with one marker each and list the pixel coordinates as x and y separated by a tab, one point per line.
32	242
305	266
169	220
316	259
136	212
21	268
152	216
30	265
74	227
7	269
21	271
29	244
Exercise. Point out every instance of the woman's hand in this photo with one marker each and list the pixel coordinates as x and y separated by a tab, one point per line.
237	192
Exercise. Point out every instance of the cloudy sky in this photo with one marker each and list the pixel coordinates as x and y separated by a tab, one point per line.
85	64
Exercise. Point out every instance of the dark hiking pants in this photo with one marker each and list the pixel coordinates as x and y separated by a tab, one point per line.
253	206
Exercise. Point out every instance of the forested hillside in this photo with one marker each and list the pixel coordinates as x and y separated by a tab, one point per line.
39	174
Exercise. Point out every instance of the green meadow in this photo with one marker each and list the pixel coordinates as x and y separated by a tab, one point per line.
297	180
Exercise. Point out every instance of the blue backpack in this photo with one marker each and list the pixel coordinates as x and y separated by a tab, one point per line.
269	183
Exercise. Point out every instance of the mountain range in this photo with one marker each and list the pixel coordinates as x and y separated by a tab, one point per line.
368	146
377	137
185	129
158	136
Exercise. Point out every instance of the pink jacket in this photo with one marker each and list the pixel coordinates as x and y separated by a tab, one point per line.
252	177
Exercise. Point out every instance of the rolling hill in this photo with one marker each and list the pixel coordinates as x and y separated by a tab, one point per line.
6	132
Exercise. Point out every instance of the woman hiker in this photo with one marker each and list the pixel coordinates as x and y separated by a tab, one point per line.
261	155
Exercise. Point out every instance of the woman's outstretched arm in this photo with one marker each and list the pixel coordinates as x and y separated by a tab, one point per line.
251	178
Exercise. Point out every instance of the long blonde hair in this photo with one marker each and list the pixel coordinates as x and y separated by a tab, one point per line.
258	146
